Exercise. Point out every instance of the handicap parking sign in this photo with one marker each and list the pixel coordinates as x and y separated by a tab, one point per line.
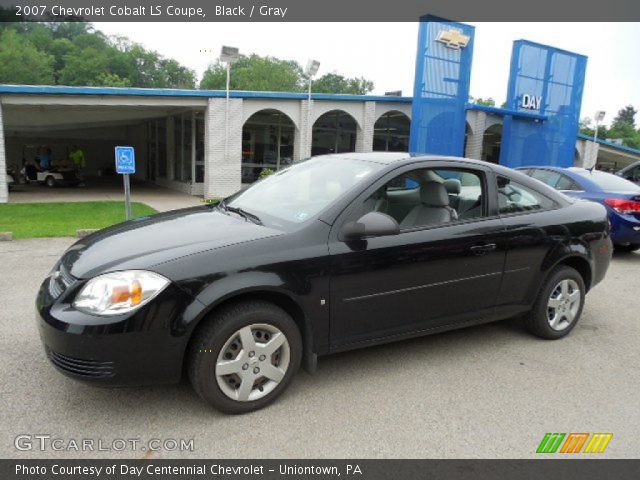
125	160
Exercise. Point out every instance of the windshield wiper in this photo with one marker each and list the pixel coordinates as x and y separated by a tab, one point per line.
243	213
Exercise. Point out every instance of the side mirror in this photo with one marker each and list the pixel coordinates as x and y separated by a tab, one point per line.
372	224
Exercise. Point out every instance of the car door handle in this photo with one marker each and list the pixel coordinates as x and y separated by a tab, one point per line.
482	249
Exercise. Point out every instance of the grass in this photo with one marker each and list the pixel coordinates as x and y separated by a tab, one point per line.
32	220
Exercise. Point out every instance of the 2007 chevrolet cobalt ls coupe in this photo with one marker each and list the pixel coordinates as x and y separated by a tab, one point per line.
334	253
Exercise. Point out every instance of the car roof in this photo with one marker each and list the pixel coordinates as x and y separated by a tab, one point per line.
396	157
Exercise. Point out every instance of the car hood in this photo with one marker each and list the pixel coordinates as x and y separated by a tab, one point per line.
149	241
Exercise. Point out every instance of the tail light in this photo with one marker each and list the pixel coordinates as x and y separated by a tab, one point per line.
621	205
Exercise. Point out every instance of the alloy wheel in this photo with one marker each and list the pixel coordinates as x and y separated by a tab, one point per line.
252	362
564	304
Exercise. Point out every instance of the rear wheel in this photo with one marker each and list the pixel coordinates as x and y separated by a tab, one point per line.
558	306
627	247
50	181
245	356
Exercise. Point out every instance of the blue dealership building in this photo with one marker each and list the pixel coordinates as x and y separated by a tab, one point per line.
201	143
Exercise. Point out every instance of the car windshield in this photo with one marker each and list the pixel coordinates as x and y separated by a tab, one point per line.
609	182
303	190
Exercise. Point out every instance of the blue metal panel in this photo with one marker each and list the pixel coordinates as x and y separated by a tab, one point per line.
441	89
547	81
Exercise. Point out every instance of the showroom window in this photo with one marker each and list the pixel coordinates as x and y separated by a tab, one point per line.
391	133
267	143
334	132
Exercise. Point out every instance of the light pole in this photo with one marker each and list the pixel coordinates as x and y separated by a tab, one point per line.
598	117
228	56
310	72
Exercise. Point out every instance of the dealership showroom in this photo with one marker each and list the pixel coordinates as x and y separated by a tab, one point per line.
197	143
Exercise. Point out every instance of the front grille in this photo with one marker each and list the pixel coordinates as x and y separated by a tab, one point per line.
82	368
60	280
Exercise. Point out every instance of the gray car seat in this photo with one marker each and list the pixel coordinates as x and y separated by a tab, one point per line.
433	208
474	210
454	187
378	202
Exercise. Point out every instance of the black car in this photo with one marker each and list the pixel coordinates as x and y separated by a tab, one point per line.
334	253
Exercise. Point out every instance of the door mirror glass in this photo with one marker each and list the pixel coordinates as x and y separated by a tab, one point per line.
373	224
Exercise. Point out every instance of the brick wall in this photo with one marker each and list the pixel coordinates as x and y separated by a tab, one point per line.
223	158
364	139
477	122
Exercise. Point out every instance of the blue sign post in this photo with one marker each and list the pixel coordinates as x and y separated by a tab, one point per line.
126	165
547	81
441	91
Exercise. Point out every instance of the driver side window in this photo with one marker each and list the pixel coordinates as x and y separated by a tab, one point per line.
427	196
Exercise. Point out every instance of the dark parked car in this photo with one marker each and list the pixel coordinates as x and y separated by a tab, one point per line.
631	173
620	197
331	254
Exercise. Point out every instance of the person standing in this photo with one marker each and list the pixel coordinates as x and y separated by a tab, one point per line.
45	160
79	162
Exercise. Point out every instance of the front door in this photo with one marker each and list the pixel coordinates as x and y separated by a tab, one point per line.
442	268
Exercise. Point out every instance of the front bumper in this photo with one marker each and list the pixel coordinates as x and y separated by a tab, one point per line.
141	348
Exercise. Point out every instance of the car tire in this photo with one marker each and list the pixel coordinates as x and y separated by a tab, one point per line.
50	181
233	378
557	308
627	248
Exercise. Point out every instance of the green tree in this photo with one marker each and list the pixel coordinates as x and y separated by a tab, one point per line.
336	83
176	75
626	116
106	79
489	102
21	62
254	72
84	67
623	126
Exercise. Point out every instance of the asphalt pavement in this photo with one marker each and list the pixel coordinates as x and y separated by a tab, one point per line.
483	392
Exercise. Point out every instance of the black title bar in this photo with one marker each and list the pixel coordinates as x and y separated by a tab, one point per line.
318	10
548	469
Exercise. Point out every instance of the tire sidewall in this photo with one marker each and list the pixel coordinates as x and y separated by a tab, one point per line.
203	376
540	311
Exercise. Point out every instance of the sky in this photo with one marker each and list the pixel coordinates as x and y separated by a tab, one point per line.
385	52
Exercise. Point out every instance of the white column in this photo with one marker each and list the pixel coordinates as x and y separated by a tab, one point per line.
364	136
223	154
477	121
4	192
303	135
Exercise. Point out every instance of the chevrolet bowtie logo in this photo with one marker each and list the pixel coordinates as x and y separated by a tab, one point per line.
453	38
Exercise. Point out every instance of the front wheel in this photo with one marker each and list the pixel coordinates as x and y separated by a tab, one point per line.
50	181
558	306
245	356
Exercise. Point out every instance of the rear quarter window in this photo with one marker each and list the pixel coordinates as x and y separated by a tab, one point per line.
513	197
